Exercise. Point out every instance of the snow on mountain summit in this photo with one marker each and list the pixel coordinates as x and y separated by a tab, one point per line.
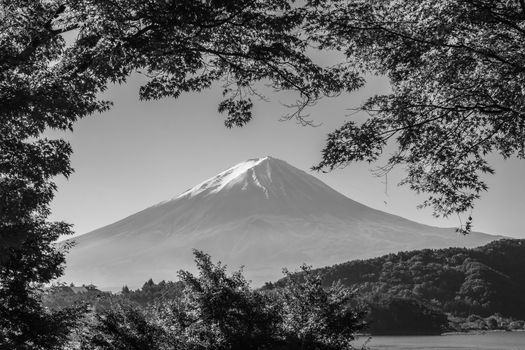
264	178
224	179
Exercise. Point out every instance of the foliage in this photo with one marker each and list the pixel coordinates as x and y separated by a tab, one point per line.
152	292
33	98
481	281
59	297
181	46
457	77
121	328
477	323
315	317
35	95
220	311
394	315
24	322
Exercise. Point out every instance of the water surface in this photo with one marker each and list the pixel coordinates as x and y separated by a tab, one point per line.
486	341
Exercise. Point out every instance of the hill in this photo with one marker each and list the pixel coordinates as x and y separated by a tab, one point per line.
468	283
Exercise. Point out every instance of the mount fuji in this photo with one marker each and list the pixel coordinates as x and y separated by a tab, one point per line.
262	213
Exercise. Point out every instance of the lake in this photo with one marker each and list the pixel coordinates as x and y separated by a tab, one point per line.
487	341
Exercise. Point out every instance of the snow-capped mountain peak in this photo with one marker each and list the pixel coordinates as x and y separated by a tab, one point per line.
262	213
227	178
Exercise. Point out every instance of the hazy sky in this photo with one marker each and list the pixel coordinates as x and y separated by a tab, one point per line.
141	153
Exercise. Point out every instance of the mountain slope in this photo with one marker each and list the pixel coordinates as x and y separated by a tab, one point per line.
262	213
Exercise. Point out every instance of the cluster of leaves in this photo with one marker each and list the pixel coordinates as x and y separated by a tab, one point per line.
25	323
482	281
220	311
185	46
457	74
318	314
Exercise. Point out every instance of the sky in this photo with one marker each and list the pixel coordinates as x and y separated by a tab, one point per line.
140	153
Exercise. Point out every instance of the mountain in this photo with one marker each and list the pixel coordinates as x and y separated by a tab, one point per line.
262	213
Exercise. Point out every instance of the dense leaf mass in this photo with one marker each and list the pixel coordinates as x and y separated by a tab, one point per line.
217	310
482	281
24	322
457	74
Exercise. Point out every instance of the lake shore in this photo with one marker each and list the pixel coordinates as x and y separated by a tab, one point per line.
469	332
494	340
486	331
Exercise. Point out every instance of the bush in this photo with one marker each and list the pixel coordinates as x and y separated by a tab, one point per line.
492	322
220	311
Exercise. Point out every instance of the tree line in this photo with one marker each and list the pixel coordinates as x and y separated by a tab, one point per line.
213	310
429	291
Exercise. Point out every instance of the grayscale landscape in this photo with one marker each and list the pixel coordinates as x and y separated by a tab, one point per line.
262	175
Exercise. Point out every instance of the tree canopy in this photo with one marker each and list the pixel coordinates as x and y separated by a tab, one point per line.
457	74
218	310
483	281
181	46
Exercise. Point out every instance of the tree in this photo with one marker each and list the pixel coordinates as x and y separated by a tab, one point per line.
124	327
215	311
315	317
182	46
24	322
148	285
218	310
221	311
457	74
34	97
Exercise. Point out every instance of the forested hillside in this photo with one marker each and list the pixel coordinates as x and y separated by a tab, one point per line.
488	281
417	292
